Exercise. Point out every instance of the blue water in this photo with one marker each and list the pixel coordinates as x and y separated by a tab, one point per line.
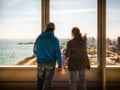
11	52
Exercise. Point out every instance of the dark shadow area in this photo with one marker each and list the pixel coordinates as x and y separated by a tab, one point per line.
55	86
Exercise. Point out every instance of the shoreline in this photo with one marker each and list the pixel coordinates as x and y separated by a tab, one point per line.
27	61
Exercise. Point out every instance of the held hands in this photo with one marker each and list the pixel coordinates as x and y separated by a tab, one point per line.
59	70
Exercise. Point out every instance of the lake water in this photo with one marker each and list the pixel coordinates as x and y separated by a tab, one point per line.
11	52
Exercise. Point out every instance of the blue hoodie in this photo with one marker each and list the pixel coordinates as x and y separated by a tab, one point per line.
47	48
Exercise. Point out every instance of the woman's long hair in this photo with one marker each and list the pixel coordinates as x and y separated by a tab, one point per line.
76	33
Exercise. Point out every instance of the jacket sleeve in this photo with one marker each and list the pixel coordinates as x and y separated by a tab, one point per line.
58	54
88	61
34	47
68	50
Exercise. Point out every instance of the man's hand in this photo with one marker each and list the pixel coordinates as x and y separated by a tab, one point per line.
59	70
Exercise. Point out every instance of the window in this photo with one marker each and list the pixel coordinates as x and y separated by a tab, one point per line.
113	32
82	13
19	26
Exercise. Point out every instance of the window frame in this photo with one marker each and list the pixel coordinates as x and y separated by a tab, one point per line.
101	39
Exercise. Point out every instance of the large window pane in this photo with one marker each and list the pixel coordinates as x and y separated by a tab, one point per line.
113	32
19	27
82	13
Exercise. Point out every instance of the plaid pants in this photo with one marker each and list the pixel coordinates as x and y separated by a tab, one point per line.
45	74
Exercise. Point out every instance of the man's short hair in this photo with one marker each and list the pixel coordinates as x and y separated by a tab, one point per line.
51	26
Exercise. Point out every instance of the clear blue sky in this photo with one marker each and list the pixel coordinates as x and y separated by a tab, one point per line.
21	18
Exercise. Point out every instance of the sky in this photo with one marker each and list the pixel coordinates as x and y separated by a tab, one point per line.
21	19
69	13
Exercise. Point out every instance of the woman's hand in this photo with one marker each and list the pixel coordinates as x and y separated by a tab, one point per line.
59	70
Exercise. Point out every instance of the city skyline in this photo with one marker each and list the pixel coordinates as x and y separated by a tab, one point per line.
21	19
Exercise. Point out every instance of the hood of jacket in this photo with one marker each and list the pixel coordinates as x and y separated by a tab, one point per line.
47	34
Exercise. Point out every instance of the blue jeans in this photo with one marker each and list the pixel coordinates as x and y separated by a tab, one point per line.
45	74
82	77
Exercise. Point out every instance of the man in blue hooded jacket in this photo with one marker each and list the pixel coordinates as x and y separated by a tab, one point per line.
47	51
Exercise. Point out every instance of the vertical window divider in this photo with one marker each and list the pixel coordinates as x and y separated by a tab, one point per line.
45	7
101	43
